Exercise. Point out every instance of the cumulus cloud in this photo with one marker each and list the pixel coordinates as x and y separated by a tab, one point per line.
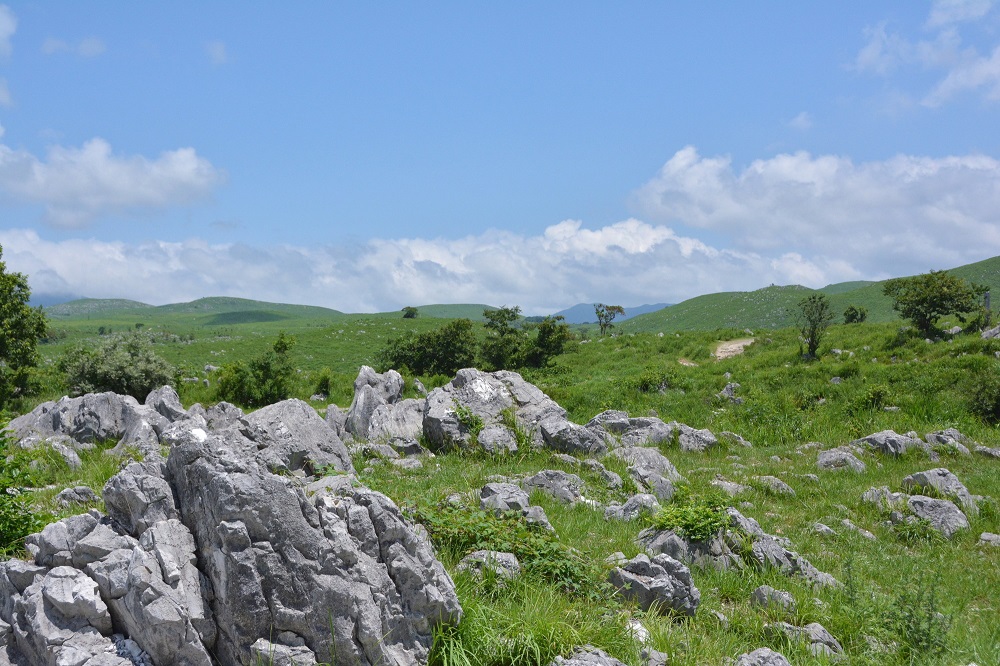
883	217
88	47
75	185
8	26
217	52
628	262
790	219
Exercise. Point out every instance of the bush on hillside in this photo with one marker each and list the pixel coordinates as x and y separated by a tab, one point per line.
263	380
924	298
443	351
124	363
855	314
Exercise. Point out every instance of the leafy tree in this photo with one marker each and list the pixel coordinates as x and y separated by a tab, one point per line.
410	312
924	298
505	343
263	380
855	314
124	363
21	327
443	351
550	341
815	317
606	314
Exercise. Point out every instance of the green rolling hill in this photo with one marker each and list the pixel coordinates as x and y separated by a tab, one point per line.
777	307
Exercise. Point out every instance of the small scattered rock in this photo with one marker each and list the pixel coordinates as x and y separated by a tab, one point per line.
767	596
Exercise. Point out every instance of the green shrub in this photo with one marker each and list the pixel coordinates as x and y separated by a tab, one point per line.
443	351
696	519
984	399
263	380
855	314
124	363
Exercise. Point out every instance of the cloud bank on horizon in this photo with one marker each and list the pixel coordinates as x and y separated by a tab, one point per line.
89	219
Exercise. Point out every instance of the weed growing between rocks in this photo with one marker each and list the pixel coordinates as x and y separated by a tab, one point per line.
694	518
460	531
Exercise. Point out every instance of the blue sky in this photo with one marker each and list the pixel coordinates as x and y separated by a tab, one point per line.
368	156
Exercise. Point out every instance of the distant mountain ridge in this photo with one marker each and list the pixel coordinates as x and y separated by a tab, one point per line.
767	308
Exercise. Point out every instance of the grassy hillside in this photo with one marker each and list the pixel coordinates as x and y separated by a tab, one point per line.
776	307
473	311
909	598
86	307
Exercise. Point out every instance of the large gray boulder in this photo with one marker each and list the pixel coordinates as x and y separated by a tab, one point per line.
650	469
889	442
290	435
371	391
167	403
662	583
743	542
403	419
279	561
762	657
944	483
840	458
569	437
563	486
692	439
220	553
480	399
943	515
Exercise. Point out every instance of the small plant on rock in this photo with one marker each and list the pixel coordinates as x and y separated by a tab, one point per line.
695	519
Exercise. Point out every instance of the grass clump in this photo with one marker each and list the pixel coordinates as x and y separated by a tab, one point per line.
459	531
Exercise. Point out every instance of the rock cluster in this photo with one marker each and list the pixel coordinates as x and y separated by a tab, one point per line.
220	547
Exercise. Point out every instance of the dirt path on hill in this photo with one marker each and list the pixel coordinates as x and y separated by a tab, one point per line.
731	348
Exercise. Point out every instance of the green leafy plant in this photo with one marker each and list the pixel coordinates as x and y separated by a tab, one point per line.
18	517
694	518
916	531
471	422
607	314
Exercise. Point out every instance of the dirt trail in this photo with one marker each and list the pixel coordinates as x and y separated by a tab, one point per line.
731	348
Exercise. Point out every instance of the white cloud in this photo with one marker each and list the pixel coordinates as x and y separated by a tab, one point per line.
5	97
946	12
88	47
962	66
976	72
78	184
8	26
801	122
790	219
217	52
881	218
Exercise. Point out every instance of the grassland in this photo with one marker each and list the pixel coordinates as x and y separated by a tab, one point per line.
907	598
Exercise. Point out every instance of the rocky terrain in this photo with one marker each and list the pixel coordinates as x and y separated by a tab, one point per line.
237	538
